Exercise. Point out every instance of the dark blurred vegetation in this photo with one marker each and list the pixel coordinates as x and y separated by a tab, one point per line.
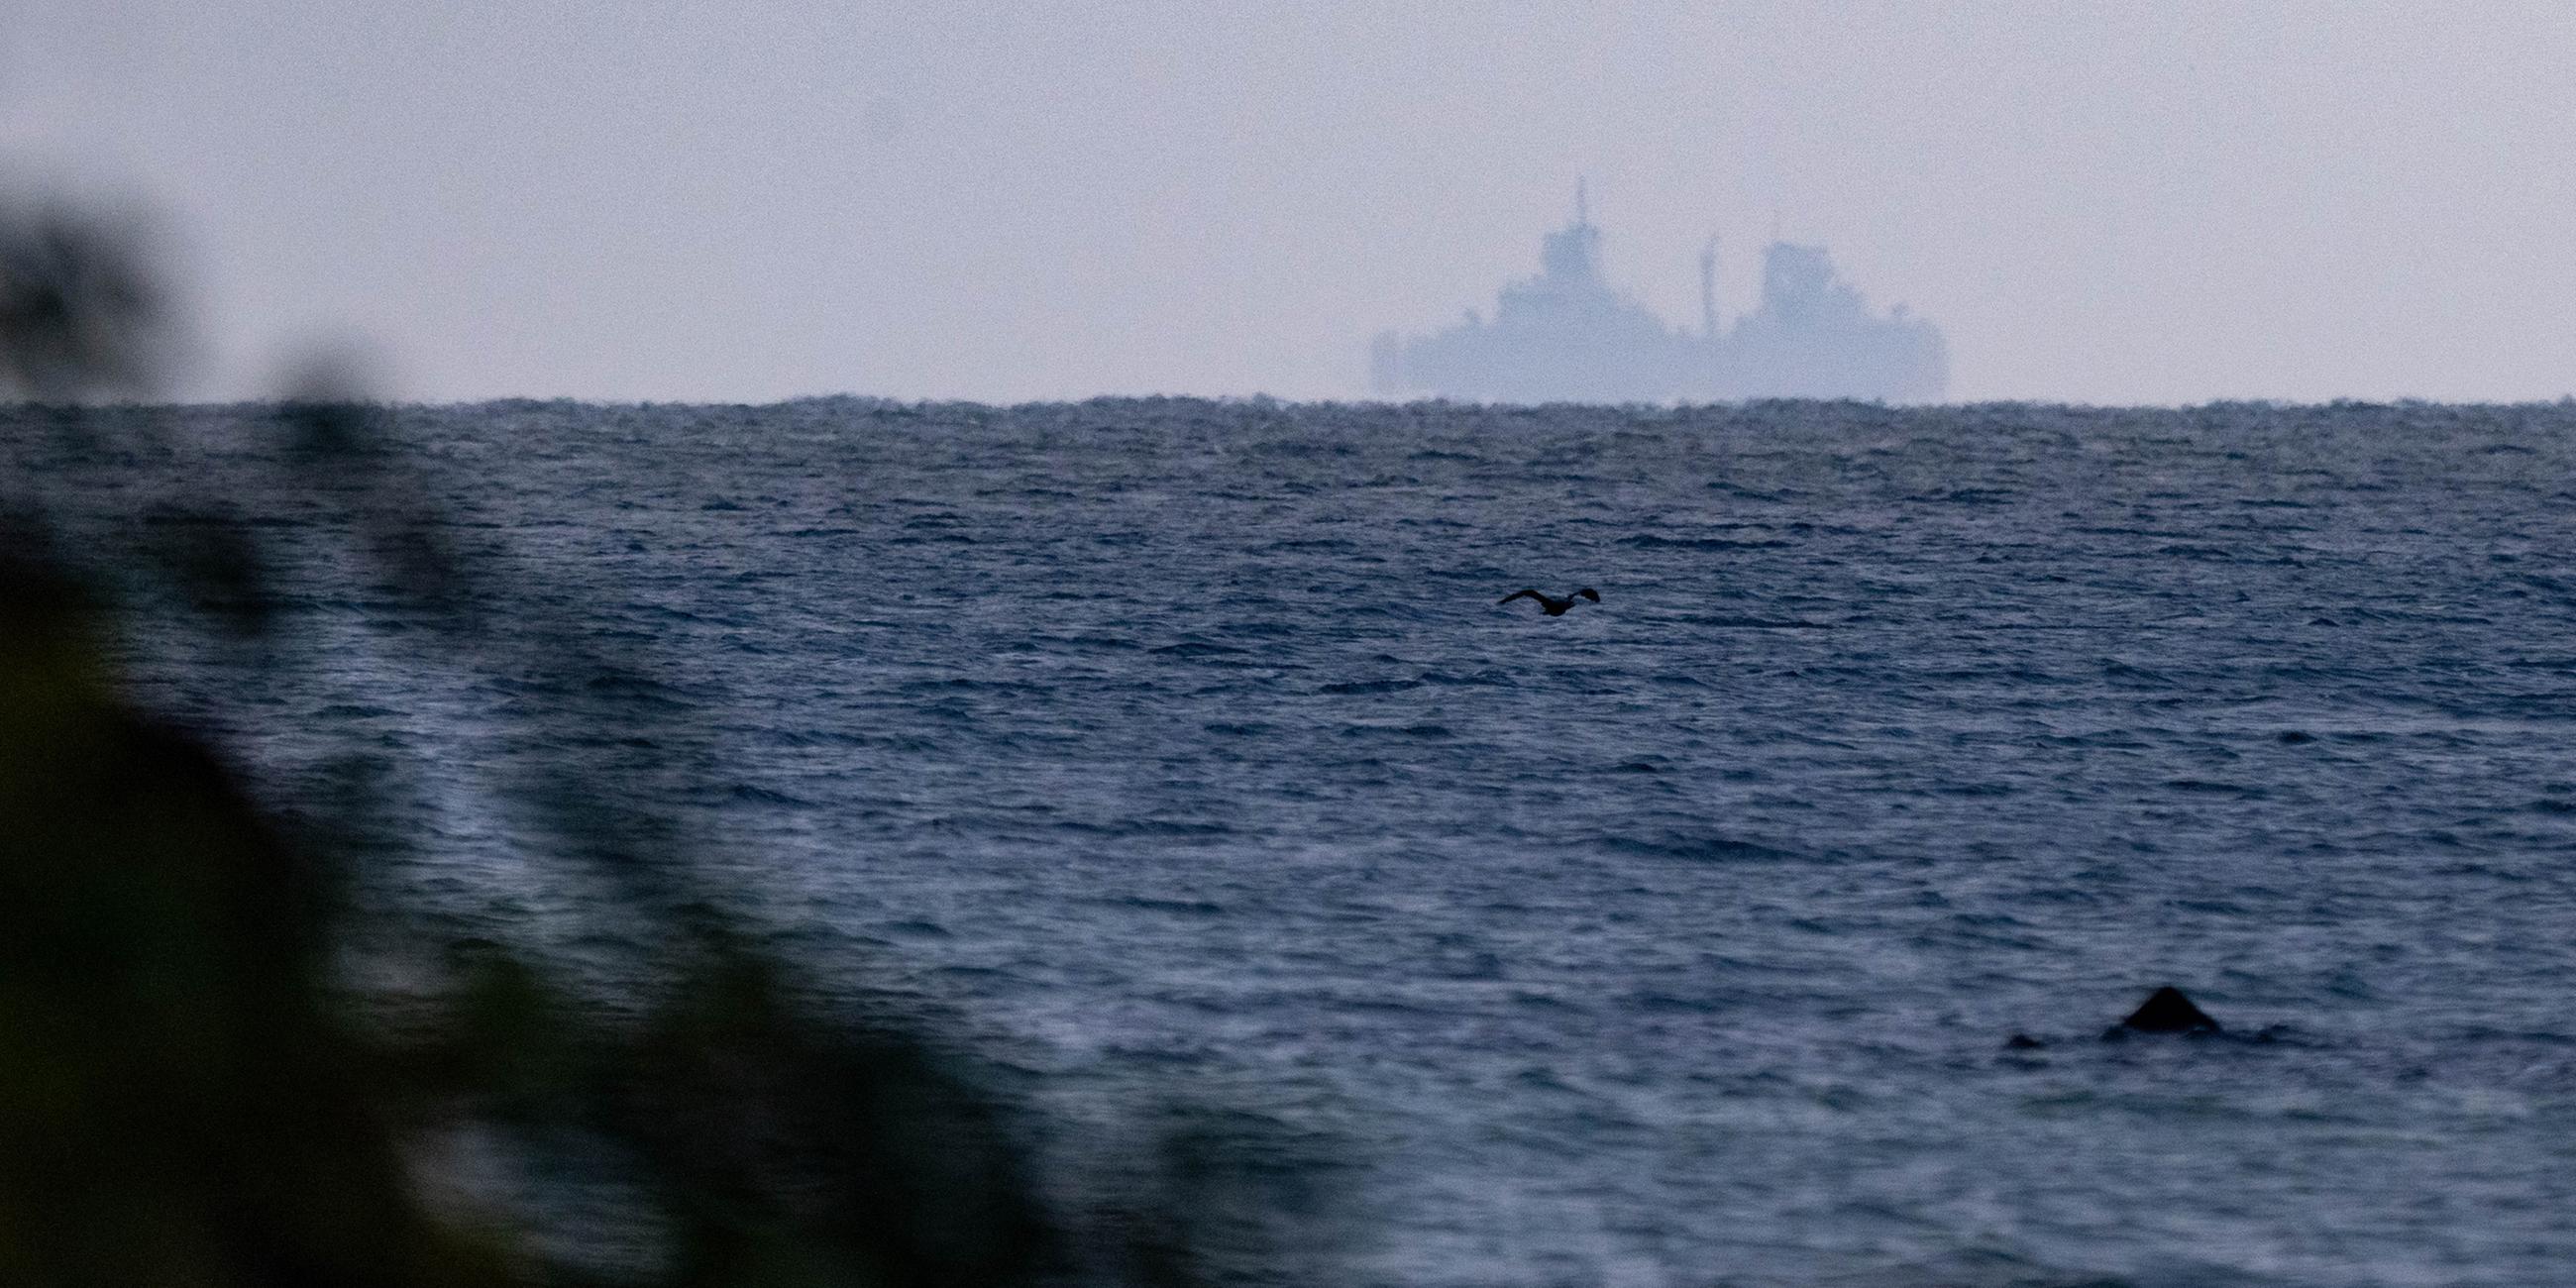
220	1065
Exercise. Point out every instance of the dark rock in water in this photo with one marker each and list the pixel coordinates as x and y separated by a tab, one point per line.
2167	1011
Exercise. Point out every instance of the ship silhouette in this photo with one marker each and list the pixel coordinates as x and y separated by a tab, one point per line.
1567	335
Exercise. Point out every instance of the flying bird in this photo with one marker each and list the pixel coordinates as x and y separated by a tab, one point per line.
1553	606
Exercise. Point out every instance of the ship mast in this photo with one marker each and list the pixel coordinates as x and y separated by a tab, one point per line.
1708	290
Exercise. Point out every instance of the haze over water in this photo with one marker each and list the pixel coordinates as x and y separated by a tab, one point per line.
1178	747
982	199
1184	747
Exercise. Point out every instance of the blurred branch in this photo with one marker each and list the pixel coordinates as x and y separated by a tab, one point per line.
194	1091
79	315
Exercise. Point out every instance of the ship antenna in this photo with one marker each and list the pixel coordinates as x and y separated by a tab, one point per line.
1582	206
1708	289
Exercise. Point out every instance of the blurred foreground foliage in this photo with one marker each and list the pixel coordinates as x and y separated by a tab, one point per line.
198	1088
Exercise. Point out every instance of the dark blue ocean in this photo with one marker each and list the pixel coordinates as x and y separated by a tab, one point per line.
1182	750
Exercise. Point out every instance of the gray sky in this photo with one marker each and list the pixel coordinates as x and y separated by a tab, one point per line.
633	199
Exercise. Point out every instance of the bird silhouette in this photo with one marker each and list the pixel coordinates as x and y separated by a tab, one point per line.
1551	605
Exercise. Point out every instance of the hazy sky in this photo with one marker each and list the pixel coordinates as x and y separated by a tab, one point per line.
760	198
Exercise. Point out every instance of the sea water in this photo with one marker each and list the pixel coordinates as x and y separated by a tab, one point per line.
1183	749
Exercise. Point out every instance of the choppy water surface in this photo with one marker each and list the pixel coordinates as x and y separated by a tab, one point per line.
1184	746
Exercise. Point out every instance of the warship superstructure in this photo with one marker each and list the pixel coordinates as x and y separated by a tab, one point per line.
1567	335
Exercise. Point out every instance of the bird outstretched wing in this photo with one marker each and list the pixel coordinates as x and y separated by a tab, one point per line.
1521	594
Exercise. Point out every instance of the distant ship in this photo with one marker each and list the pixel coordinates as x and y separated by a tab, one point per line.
1567	336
